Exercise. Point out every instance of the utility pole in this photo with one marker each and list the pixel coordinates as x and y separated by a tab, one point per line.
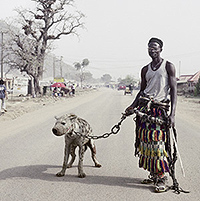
61	66
1	55
179	69
54	68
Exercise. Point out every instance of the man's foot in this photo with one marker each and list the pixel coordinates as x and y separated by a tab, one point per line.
4	110
147	181
150	180
160	185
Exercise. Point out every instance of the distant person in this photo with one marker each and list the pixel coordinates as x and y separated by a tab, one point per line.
158	87
73	89
55	92
131	88
3	95
44	90
65	91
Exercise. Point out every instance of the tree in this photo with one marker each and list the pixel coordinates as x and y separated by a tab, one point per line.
88	76
47	23
81	67
106	78
128	80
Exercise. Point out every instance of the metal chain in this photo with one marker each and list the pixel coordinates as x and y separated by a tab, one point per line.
114	130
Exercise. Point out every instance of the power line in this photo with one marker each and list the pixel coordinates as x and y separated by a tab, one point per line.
72	60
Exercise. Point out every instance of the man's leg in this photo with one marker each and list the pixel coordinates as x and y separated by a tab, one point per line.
150	180
161	182
1	103
4	105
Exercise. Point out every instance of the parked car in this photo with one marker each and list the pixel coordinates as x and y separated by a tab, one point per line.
121	87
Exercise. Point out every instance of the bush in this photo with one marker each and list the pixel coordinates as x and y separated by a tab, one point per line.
197	88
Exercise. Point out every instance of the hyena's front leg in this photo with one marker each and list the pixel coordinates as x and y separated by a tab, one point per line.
66	157
73	155
81	174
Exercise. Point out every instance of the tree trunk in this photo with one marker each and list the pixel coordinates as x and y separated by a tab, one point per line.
39	74
32	86
37	88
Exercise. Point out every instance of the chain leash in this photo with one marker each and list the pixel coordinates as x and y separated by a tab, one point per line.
114	130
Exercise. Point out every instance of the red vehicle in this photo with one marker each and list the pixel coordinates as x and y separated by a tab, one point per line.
121	87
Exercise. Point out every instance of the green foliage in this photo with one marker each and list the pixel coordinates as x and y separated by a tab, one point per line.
81	68
77	66
106	78
88	76
197	88
85	62
128	80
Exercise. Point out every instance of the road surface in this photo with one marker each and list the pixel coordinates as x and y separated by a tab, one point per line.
31	155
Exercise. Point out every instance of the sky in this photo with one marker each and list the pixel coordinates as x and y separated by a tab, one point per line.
116	34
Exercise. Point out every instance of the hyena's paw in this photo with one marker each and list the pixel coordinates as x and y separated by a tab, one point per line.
98	165
60	174
81	175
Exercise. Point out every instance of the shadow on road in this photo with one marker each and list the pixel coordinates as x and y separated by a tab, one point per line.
44	172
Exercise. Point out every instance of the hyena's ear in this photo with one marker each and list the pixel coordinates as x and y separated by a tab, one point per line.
72	116
56	118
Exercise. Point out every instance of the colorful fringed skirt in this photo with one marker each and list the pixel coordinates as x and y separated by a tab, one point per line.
152	138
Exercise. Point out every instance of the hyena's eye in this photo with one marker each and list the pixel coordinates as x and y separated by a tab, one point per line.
63	123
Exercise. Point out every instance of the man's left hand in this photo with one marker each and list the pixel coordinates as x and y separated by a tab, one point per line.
171	121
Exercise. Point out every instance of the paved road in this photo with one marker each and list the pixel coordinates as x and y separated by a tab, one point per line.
31	156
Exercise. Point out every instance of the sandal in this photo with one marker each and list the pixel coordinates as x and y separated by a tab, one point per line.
160	185
150	180
147	181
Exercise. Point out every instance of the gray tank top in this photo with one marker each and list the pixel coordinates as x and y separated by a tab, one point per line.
157	82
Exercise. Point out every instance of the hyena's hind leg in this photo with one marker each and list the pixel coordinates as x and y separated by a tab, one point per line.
92	147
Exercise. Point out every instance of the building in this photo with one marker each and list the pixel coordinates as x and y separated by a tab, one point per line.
193	81
186	83
182	84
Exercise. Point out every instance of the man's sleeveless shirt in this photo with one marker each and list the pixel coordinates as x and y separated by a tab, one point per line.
157	82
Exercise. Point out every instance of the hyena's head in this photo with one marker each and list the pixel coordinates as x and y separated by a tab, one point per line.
64	124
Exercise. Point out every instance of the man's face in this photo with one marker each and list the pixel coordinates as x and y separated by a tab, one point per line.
154	50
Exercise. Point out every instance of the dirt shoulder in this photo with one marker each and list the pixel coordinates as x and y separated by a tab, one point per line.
17	106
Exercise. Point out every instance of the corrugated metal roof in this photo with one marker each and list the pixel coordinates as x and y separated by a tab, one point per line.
195	77
185	77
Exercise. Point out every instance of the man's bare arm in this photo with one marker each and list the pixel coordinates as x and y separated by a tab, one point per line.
173	90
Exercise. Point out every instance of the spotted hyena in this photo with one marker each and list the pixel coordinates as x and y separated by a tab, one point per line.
67	125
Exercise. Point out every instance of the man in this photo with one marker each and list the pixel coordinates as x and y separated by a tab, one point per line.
157	82
73	89
3	95
131	88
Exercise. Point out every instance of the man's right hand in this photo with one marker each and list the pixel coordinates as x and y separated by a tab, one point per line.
129	111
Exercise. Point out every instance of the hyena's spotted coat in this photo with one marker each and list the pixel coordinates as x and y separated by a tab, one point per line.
66	125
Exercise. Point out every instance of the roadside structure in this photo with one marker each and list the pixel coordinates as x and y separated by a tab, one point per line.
193	81
186	83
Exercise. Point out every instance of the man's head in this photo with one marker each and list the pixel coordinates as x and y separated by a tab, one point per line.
155	47
1	82
156	40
